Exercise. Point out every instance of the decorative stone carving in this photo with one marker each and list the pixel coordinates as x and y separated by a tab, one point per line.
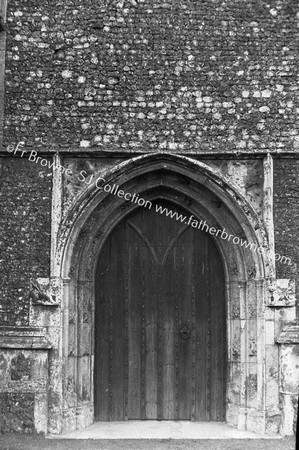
251	273
20	368
252	347
72	272
72	316
88	274
236	351
2	24
86	317
83	233
289	333
234	271
235	311
187	201
41	293
282	293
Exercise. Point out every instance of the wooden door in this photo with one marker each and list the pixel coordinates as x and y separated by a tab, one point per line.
160	339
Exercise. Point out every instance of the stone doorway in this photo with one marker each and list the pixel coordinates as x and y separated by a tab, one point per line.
85	228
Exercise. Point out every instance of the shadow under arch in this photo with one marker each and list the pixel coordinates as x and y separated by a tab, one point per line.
207	196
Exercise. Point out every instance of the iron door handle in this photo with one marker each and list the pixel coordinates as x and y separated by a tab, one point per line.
185	332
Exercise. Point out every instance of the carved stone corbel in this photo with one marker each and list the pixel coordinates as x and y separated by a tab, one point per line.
282	293
41	293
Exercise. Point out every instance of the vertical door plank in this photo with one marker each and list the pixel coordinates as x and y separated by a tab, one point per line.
208	327
118	324
101	361
104	279
145	221
185	324
194	333
151	344
177	284
201	308
168	338
171	280
134	324
126	325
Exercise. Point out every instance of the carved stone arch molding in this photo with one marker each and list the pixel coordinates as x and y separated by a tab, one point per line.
80	238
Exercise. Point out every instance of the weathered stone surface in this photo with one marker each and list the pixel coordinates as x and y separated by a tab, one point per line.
288	339
286	214
25	192
17	413
247	175
20	368
23	389
141	76
272	383
23	338
289	333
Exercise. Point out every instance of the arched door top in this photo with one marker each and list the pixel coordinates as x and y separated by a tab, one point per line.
178	177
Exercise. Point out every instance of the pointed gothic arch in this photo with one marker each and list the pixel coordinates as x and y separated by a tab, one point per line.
206	195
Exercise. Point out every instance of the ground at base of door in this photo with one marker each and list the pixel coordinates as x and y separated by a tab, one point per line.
21	442
164	429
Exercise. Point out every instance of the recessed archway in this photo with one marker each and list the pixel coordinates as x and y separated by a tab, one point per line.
204	194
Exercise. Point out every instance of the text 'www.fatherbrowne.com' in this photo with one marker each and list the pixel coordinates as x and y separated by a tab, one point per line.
203	226
115	190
